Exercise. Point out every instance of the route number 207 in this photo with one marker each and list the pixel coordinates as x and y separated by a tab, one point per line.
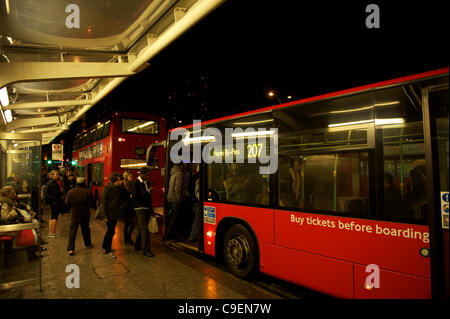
254	150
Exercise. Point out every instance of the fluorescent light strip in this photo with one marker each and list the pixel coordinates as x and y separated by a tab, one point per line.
377	122
251	134
256	122
141	126
198	139
8	116
4	99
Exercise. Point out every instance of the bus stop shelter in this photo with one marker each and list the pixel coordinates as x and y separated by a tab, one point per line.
58	59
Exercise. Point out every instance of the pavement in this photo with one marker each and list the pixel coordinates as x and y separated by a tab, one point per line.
170	274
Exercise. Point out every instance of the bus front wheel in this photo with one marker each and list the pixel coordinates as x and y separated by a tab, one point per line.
240	251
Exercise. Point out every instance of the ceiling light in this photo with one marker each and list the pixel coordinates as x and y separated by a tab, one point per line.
4	99
8	116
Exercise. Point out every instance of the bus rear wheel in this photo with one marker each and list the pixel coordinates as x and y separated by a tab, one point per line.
240	251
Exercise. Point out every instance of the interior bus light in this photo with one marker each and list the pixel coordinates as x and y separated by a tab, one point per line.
377	122
4	99
255	122
389	121
249	134
199	139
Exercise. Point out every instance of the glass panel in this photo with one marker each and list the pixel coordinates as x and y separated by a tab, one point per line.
20	260
106	129
238	183
331	182
332	124
139	126
97	174
400	110
438	103
100	18
132	163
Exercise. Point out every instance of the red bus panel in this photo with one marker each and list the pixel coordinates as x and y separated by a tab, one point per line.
392	246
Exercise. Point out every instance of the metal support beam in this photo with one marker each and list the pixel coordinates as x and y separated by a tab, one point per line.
31	122
42	71
45	104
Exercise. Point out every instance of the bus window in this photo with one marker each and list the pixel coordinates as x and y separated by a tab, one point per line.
106	129
140	126
323	157
403	152
97	174
239	183
325	182
80	171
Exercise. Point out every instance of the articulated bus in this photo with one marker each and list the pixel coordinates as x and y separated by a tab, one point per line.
358	204
116	144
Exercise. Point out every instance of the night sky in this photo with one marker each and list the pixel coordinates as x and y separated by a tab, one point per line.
299	48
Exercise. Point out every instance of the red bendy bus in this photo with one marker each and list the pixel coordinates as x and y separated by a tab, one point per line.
347	212
116	144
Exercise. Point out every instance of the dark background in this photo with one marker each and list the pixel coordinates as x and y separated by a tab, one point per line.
229	61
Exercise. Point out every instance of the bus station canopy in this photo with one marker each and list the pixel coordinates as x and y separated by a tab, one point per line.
58	59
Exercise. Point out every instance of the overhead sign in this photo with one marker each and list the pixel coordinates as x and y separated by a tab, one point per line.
57	152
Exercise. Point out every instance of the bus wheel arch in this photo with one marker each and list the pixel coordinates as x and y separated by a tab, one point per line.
237	247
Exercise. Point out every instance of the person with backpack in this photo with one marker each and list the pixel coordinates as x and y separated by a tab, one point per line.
111	201
78	201
53	197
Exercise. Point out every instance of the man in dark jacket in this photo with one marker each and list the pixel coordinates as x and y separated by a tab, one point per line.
142	202
78	200
54	199
112	204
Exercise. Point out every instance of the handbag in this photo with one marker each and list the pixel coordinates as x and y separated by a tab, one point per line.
153	225
26	238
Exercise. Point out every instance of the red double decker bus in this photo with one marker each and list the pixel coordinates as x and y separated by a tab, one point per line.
358	204
116	144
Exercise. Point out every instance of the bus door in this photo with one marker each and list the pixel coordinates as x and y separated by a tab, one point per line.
156	162
436	131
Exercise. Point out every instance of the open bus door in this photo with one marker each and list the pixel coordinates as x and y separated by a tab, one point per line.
190	210
436	130
156	161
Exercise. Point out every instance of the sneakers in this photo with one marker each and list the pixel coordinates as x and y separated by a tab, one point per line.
149	254
51	235
110	255
71	252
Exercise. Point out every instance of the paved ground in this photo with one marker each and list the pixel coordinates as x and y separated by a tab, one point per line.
171	274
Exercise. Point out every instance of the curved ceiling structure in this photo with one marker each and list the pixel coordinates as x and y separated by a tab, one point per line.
58	59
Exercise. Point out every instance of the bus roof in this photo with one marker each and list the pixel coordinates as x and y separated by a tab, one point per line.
325	96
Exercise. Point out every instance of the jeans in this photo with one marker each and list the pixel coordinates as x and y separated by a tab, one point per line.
107	241
143	217
85	231
128	229
171	218
195	230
